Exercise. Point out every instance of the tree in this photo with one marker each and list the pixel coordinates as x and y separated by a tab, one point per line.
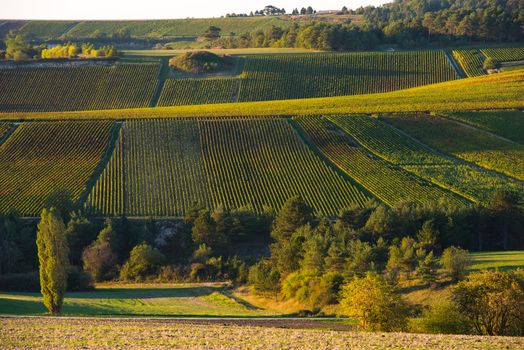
489	63
80	233
507	212
455	261
427	267
294	214
212	33
53	254
62	200
264	277
99	259
493	301
374	303
205	231
428	235
144	260
17	48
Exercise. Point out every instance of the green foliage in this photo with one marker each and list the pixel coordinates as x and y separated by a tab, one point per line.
493	301
455	262
199	62
375	304
504	54
489	63
17	48
144	261
441	317
103	86
264	277
427	267
211	33
53	257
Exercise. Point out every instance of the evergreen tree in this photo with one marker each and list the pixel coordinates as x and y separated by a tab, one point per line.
53	253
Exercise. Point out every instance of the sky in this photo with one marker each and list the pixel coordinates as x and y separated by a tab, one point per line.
155	9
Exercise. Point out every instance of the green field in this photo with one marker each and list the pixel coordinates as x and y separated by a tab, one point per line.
472	145
57	88
39	158
497	260
508	124
180	92
137	300
45	30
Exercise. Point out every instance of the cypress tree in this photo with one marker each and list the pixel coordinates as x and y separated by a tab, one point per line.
53	253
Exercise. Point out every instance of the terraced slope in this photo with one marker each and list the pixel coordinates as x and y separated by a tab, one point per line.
156	170
390	184
279	77
40	158
464	142
264	162
508	124
400	149
64	88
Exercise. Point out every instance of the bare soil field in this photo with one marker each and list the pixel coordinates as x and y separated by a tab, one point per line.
87	333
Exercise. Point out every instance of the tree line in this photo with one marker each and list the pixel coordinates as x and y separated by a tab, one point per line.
356	261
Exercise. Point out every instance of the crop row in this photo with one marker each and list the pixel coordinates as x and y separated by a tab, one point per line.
164	166
179	92
390	184
470	144
40	158
280	77
78	88
505	54
508	124
400	149
471	62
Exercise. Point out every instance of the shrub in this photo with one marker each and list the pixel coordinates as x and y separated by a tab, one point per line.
78	280
100	260
264	277
374	303
489	63
441	318
143	261
493	301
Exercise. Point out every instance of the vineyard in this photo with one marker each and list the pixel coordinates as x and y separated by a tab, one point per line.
464	142
179	92
509	124
264	162
40	158
4	127
471	62
389	143
46	30
190	27
78	88
505	54
279	77
390	184
157	170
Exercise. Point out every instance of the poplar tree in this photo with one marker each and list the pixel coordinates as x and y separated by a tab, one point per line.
53	253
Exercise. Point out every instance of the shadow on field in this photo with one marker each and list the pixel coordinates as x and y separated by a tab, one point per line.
144	293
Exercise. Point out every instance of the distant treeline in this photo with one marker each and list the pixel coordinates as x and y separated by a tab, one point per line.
407	23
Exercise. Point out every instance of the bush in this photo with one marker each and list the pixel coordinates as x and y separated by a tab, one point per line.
78	280
199	62
144	261
489	63
441	318
264	277
100	260
493	301
374	303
